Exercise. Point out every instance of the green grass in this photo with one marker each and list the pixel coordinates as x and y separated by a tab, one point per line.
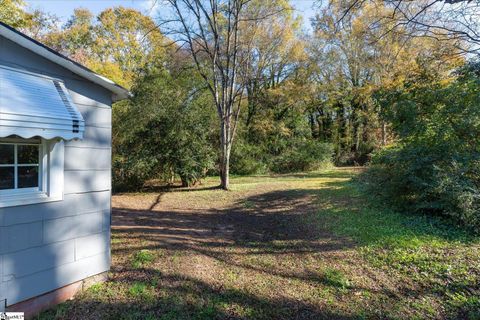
142	291
335	278
429	250
142	258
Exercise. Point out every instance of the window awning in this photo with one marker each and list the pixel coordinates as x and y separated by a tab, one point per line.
36	105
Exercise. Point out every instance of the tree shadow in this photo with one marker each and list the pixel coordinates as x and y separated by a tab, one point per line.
254	235
180	188
184	297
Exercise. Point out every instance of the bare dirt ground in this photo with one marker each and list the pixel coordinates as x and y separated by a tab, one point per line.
253	245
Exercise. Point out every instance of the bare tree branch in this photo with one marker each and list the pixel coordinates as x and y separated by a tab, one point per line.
441	19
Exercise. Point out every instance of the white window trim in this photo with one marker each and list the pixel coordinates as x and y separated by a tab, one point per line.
50	182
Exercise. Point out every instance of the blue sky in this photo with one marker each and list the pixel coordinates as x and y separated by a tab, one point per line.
64	8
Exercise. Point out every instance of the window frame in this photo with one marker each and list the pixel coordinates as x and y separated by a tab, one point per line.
50	181
16	166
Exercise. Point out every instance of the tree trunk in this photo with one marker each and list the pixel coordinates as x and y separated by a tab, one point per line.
224	173
384	133
342	128
225	147
357	134
185	182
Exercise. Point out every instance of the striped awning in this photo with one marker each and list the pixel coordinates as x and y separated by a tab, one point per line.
33	105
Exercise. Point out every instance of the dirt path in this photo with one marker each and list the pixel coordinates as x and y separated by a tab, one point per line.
277	215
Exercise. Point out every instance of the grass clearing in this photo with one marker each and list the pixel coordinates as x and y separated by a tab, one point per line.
302	246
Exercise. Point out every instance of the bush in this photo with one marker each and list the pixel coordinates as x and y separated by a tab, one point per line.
420	179
130	173
304	156
435	167
247	159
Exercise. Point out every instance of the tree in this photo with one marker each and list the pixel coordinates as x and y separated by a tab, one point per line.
34	23
346	71
163	131
434	166
41	24
118	43
355	57
276	52
210	31
12	12
128	39
77	38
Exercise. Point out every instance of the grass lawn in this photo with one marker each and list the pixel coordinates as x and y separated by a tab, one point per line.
304	246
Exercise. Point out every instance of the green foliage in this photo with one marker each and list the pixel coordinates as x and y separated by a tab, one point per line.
119	42
435	167
425	249
35	23
335	278
141	291
283	155
304	155
163	132
338	92
142	257
248	158
12	12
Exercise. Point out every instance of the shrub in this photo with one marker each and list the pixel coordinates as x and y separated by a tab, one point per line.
435	167
130	173
421	179
304	156
247	159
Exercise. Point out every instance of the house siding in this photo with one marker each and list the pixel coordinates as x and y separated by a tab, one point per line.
46	246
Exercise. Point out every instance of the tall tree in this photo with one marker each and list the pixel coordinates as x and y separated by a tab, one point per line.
76	38
164	130
210	31
355	57
128	39
276	52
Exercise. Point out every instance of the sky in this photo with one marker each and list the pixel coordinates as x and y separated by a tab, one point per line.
64	8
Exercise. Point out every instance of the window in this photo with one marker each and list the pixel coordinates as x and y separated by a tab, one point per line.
20	166
31	171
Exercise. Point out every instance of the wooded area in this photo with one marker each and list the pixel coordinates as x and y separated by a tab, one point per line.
240	86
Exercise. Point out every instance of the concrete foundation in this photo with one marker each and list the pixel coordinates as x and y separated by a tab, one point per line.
34	306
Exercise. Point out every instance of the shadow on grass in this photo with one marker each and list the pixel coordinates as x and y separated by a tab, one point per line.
179	297
269	227
370	221
163	188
